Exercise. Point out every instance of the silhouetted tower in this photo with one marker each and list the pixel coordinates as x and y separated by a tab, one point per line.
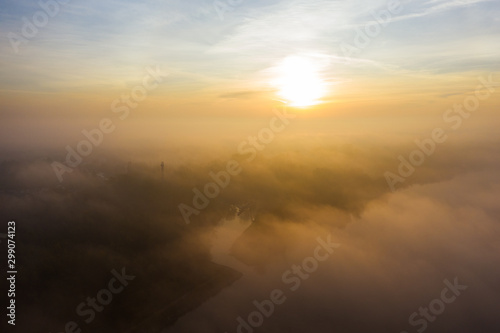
162	165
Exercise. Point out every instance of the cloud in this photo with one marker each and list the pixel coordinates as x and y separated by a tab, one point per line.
392	261
440	6
241	94
397	248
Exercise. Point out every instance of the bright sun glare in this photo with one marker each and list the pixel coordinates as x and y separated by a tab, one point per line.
299	82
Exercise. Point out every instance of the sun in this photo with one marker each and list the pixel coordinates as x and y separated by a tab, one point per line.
299	81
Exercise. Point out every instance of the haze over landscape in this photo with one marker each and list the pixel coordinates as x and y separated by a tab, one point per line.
251	166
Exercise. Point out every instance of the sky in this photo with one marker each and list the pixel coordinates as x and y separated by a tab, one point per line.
213	50
373	122
225	62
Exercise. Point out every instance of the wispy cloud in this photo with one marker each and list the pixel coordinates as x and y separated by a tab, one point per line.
438	6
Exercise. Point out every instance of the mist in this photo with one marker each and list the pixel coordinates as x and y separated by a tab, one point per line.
396	248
